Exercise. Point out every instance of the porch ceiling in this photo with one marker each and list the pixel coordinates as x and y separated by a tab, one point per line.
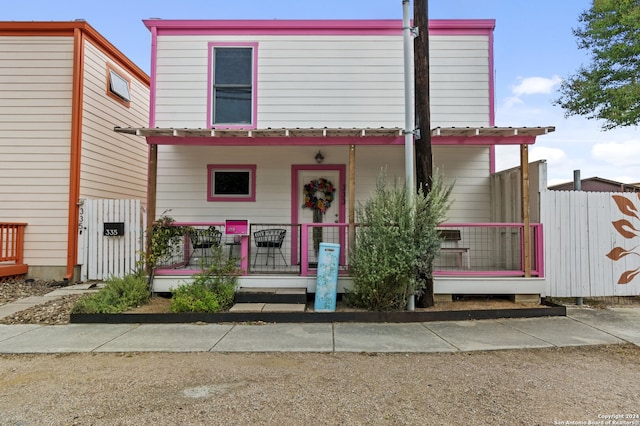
335	136
294	132
491	131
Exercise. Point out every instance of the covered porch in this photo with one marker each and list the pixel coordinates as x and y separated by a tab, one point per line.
477	257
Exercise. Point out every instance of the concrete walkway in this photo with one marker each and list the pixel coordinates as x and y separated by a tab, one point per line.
581	326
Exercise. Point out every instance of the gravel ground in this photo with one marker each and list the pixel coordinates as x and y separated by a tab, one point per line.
518	387
53	312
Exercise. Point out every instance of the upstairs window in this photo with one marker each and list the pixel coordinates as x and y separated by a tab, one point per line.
232	85
118	86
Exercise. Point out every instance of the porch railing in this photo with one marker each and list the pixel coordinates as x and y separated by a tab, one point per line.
468	249
488	249
12	249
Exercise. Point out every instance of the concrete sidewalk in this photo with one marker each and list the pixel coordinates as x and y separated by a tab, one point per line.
581	326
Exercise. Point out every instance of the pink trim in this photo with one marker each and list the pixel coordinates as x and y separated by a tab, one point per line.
152	88
244	254
241	167
539	245
492	104
313	27
254	86
295	202
310	140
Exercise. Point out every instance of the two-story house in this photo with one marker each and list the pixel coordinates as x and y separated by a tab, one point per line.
255	123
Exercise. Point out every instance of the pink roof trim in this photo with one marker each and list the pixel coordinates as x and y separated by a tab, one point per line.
326	27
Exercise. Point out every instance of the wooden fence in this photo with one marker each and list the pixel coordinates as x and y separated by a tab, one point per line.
592	243
112	234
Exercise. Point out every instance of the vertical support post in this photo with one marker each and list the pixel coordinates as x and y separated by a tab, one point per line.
352	196
151	196
526	220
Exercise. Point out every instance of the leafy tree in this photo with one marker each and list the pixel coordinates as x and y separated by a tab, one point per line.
608	88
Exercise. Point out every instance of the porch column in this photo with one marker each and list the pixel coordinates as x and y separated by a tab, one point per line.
151	193
352	195
526	220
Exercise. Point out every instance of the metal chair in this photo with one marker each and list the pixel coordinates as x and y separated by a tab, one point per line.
203	240
269	239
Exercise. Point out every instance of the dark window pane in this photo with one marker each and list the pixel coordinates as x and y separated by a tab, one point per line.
232	105
233	66
231	183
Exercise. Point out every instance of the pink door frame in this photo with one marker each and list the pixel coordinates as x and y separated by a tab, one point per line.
296	202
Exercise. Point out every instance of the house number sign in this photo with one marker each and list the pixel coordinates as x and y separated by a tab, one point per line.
113	229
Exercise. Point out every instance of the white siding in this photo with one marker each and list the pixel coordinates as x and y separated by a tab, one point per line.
182	179
333	81
113	165
35	130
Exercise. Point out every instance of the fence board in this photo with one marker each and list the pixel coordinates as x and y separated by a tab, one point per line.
579	233
106	256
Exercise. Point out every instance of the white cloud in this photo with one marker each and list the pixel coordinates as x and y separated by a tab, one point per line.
545	153
619	154
536	85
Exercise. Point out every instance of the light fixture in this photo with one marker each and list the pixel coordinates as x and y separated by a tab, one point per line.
319	157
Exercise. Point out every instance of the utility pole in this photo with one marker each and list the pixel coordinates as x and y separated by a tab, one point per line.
424	156
423	151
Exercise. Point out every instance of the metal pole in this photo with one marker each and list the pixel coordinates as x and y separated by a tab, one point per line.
577	185
409	115
409	112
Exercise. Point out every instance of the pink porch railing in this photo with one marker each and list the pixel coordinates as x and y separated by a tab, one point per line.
488	249
469	249
12	249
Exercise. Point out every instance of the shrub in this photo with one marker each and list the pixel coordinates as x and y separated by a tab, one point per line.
212	290
118	295
395	245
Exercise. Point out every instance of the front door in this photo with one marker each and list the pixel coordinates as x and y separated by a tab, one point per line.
334	213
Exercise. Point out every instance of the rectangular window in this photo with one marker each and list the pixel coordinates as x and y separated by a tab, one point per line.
231	182
118	86
232	85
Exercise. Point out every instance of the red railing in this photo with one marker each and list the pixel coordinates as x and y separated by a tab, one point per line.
12	249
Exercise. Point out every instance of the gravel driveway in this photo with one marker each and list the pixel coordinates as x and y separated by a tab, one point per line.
518	387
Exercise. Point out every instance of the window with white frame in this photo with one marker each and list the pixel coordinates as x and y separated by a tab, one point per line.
232	85
231	182
118	86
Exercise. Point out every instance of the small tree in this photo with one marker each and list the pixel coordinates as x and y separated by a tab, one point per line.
396	243
609	87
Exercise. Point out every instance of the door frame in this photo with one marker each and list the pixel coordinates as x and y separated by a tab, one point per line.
296	202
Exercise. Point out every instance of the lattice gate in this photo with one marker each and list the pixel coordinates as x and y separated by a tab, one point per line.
111	238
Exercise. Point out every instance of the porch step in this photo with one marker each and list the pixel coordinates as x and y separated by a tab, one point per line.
259	295
268	307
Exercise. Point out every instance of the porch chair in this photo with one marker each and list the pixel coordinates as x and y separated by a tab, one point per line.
269	239
203	240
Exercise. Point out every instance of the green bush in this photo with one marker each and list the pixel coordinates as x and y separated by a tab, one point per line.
395	245
118	295
212	290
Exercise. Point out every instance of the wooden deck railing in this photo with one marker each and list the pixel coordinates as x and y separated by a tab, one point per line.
12	249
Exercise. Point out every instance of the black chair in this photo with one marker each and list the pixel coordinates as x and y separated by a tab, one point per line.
203	240
269	239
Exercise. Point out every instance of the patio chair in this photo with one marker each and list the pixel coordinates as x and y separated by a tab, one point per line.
202	241
267	241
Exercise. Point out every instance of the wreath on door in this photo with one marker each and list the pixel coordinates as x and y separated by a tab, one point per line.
319	205
313	189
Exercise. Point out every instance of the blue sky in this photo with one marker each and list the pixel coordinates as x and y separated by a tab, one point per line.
534	49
